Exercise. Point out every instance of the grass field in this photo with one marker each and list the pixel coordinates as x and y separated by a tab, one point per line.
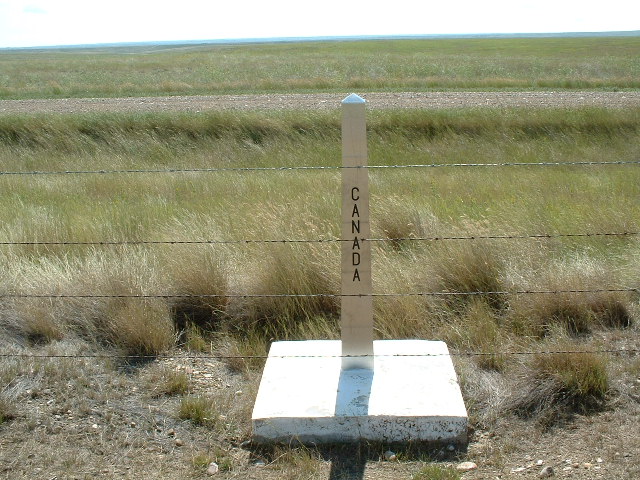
174	178
381	65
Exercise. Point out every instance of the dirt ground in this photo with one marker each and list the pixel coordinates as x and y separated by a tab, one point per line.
322	101
87	418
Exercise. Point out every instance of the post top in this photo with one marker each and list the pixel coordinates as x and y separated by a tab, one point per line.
353	98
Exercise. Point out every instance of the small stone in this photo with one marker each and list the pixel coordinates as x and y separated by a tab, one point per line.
539	463
546	472
390	456
133	424
259	463
599	460
518	470
566	469
575	465
213	468
451	448
179	442
587	465
466	466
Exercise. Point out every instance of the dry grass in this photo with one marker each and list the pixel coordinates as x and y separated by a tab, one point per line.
557	386
577	313
165	381
291	269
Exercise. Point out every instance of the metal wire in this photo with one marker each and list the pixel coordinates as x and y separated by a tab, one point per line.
508	237
318	240
325	295
315	167
174	242
622	351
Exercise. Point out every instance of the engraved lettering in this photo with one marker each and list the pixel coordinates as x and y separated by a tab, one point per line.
355	212
356	276
355	259
354	191
355	226
356	244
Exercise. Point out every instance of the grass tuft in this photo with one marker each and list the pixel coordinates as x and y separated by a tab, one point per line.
194	339
436	472
479	330
7	409
140	327
199	409
468	268
576	313
580	377
40	323
289	270
296	462
225	412
169	382
559	385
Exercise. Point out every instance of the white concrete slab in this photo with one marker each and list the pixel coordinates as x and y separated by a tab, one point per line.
411	394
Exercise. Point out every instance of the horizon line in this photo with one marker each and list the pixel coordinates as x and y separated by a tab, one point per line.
321	38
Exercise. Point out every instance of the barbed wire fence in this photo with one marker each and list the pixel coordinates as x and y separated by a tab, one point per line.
328	240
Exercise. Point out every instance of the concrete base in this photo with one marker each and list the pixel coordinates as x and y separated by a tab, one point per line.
410	395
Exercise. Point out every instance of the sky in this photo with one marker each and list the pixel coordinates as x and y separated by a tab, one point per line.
28	23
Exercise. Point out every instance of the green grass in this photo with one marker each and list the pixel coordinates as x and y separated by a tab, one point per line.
395	65
436	472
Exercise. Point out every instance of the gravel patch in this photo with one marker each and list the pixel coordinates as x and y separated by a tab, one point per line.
325	101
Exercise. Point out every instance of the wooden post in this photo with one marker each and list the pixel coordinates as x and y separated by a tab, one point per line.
357	303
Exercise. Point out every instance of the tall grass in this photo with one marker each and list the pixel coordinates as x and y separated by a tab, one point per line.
218	286
413	65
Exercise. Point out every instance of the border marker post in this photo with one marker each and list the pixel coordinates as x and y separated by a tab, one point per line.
357	302
317	391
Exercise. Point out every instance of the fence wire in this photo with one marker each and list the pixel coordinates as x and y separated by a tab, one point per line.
320	295
534	236
312	167
619	351
322	240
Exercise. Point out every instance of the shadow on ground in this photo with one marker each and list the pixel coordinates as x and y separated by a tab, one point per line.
349	461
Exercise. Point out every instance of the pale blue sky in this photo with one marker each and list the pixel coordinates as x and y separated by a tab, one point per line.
67	22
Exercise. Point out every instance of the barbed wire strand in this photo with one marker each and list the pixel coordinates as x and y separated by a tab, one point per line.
621	351
321	295
314	167
318	240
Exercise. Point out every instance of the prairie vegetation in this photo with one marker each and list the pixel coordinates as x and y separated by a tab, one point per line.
380	65
210	294
217	287
155	247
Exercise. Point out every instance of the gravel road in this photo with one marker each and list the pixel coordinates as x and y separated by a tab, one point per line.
323	101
